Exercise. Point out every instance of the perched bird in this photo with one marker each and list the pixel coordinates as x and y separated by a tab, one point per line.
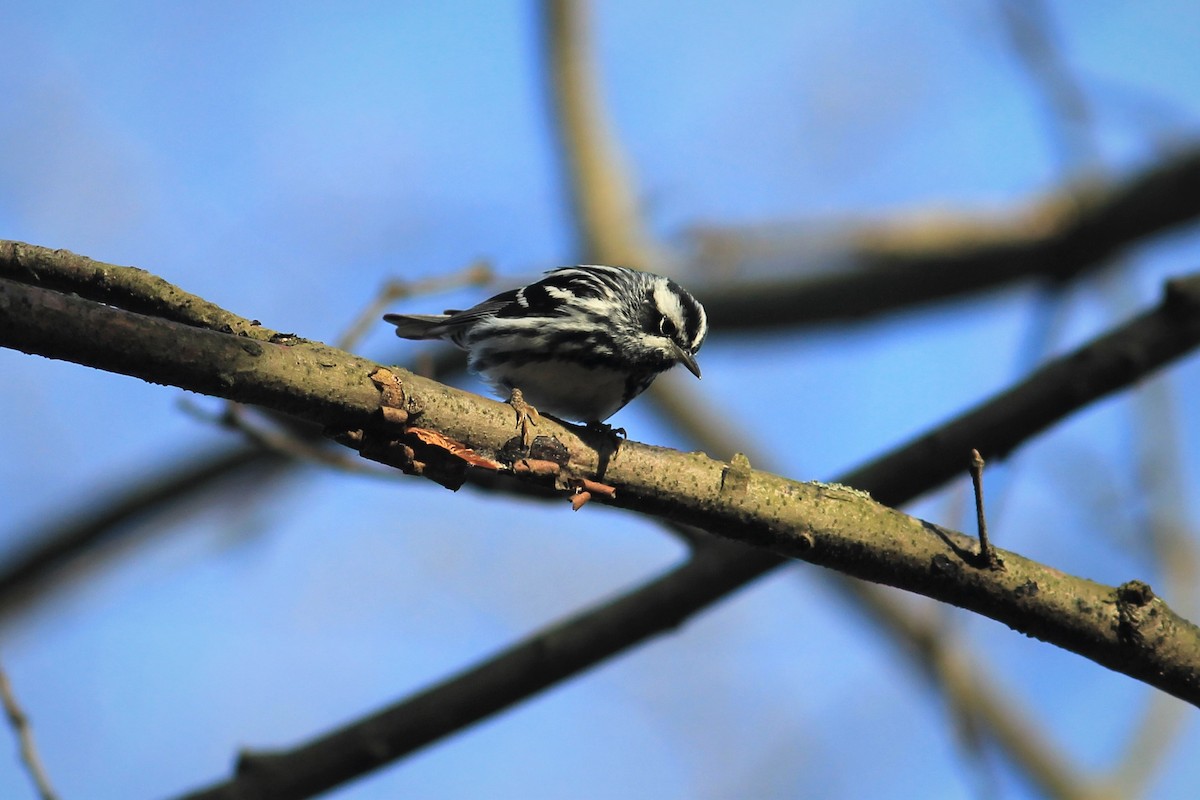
578	344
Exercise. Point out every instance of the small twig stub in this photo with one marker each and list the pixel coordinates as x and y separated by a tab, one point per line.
987	554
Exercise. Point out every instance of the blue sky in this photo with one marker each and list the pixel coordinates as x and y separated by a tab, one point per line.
284	160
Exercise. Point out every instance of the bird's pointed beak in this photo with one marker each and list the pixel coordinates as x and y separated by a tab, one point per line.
688	360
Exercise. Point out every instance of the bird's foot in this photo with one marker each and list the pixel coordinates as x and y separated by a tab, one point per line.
617	434
527	416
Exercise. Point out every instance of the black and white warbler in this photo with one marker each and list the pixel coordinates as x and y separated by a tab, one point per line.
580	343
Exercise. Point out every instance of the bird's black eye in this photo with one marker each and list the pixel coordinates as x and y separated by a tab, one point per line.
667	328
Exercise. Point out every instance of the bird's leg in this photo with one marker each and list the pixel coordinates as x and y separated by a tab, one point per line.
527	415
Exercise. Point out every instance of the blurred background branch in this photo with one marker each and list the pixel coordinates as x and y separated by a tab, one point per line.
23	731
843	271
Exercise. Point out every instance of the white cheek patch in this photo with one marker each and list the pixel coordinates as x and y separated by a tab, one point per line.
668	303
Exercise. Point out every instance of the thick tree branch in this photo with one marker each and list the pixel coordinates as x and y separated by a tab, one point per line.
808	520
893	265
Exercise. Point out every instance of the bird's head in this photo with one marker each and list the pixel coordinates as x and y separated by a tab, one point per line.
671	324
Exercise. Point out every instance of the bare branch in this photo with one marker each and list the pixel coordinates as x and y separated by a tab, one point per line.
476	273
29	752
601	193
66	541
1030	29
803	520
987	555
903	264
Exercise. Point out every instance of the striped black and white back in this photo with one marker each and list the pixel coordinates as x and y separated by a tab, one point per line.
580	343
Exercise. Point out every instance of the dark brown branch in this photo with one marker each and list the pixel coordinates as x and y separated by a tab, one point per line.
894	267
63	542
987	555
519	672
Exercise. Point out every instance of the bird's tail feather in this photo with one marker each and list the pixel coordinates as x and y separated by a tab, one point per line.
417	326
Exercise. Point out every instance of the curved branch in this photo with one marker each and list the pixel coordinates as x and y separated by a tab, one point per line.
895	267
823	524
19	721
828	525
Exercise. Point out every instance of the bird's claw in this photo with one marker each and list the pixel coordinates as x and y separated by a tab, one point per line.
527	416
618	434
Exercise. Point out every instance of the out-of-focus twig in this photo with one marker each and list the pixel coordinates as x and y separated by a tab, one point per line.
605	207
477	273
19	722
972	693
295	444
66	539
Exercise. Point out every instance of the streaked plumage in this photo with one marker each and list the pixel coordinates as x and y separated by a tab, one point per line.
580	343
